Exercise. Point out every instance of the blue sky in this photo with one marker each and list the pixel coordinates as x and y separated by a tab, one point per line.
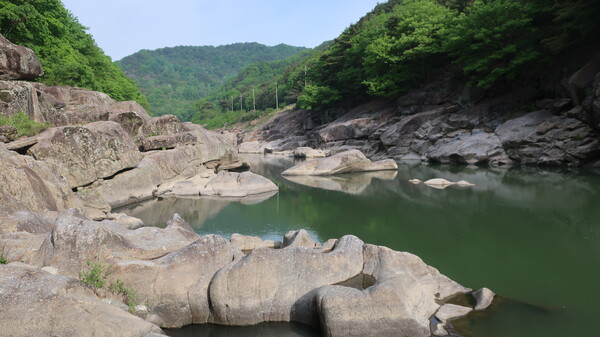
122	27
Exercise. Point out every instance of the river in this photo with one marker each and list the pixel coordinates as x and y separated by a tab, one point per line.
530	235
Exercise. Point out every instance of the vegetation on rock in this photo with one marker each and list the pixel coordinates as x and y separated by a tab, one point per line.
129	295
94	277
3	259
69	55
23	124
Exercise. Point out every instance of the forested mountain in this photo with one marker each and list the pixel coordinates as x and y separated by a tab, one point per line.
174	79
261	86
68	54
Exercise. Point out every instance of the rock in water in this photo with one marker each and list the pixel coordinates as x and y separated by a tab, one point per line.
452	311
464	183
438	183
484	298
400	303
233	184
343	162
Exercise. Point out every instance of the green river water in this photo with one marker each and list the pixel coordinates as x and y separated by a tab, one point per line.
530	235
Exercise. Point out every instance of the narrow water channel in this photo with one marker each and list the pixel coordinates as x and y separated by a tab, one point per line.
531	235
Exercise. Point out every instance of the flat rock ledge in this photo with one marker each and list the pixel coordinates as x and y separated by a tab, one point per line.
343	162
344	286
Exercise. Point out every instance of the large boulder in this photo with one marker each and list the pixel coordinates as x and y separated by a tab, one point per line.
278	285
233	184
169	268
30	185
17	62
177	283
398	295
224	184
36	303
344	162
158	170
84	154
478	148
540	138
163	125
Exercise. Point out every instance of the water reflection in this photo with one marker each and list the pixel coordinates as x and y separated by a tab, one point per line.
348	183
262	330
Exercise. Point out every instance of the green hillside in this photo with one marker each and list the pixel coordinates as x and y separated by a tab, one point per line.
492	44
68	54
402	44
174	79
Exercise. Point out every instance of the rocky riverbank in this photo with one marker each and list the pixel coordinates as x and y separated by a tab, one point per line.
552	124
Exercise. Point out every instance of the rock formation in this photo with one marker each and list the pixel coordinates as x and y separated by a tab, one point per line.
344	162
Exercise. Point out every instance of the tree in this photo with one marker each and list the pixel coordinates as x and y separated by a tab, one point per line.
68	54
495	39
408	49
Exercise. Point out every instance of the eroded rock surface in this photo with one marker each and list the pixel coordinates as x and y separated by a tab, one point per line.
36	303
278	285
84	154
399	303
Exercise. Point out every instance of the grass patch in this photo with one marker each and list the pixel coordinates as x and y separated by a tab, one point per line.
129	295
24	125
3	259
94	277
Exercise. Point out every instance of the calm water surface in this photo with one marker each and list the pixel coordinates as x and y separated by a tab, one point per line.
532	236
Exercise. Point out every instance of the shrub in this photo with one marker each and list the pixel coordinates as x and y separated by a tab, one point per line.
3	259
94	277
129	295
24	125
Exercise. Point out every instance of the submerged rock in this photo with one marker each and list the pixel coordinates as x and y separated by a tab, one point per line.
344	162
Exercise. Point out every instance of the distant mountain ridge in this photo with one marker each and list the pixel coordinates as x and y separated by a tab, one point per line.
175	78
